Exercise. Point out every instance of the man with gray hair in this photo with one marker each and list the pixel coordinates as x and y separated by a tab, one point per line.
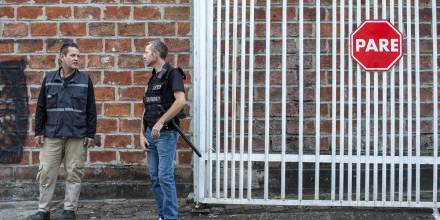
163	101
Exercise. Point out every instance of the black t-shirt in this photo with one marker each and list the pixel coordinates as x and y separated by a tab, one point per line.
174	78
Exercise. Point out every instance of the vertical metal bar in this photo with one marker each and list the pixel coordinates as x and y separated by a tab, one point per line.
334	36
409	70
401	102
251	96
226	103
317	96
267	104
417	68
234	95
283	101
376	133
209	90
367	120
341	99
301	101
242	91
435	100
358	112
376	117
218	98
350	105
200	76
392	115
384	118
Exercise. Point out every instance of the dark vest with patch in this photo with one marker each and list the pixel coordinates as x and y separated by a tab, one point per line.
155	96
66	104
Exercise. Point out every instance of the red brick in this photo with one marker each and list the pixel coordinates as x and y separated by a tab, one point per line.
25	158
30	46
119	141
141	77
34	78
178	45
6	12
117	13
104	93
100	61
161	29
106	125
118	78
73	29
138	109
42	61
185	157
6	46
127	125
87	12
15	30
184	60
54	45
119	45
131	93
35	157
163	1
102	29
137	29
90	45
146	13
46	1
43	29
132	157
95	76
183	29
29	12
56	13
117	109
177	13
139	44
130	61
102	156
26	173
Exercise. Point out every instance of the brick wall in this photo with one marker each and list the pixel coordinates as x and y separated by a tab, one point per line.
112	36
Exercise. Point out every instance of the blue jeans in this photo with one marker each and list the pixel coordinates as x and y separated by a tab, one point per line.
160	162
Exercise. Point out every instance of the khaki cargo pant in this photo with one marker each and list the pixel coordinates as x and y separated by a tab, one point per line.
52	153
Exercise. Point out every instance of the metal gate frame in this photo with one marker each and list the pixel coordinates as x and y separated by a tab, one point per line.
203	107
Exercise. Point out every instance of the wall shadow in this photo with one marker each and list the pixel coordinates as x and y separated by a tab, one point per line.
14	122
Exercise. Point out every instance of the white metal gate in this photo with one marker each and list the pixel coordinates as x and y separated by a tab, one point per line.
223	121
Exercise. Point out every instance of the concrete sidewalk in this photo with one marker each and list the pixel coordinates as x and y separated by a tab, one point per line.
145	209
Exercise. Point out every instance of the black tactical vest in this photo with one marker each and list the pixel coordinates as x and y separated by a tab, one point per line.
156	96
66	104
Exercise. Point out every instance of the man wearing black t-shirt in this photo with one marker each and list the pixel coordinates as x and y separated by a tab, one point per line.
164	99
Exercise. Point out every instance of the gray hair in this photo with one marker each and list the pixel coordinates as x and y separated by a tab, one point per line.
160	47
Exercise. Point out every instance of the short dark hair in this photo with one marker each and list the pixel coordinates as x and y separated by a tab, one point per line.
65	48
160	47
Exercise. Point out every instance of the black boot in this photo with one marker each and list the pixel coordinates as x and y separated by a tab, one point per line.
40	216
69	214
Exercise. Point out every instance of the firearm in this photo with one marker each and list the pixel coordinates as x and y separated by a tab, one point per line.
185	138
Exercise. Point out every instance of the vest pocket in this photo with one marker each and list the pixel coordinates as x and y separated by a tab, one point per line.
51	99
79	101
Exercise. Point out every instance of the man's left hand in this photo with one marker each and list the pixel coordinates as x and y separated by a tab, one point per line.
155	131
88	142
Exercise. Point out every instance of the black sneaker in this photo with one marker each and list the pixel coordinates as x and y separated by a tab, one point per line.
69	214
40	216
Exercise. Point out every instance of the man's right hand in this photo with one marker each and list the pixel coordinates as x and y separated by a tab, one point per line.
39	140
144	142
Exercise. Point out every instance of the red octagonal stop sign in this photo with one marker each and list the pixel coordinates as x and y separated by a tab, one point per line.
376	45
